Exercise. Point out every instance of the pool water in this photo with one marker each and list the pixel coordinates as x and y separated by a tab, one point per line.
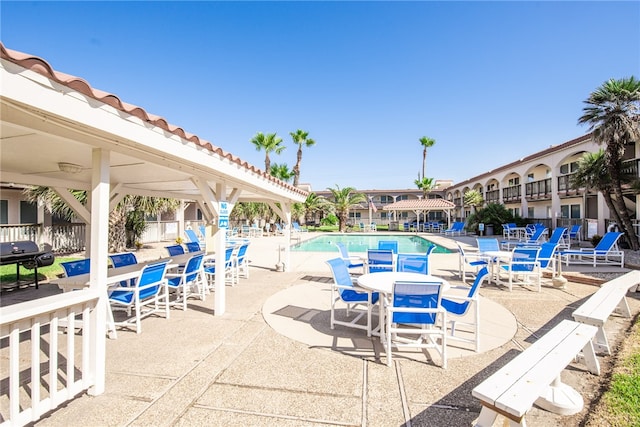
362	242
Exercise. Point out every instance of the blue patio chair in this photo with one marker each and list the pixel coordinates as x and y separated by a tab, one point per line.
410	317
415	263
344	290
470	259
379	260
184	284
458	306
150	289
296	228
536	237
279	231
523	268
606	252
203	232
122	260
240	261
388	244
193	246
487	244
405	226
457	228
210	269
350	261
174	250
574	233
76	268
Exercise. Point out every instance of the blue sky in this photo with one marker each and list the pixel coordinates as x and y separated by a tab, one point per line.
491	82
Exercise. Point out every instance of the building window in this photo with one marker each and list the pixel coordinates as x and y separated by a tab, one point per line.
514	211
386	200
4	212
570	211
403	197
568	168
28	213
514	181
530	177
530	212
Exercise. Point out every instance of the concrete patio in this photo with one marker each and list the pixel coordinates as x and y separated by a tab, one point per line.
245	368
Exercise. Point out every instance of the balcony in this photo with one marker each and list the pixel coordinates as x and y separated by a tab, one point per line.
512	194
538	190
492	196
565	187
630	167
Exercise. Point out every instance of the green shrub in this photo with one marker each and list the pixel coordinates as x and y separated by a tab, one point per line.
492	214
595	239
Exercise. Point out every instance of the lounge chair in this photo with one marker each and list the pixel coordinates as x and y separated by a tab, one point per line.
344	290
456	229
297	229
574	233
192	236
606	252
279	231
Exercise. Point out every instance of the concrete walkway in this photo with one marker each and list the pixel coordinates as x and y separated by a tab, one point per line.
240	369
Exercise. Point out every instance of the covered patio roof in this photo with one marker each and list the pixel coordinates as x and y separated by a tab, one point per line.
57	131
420	205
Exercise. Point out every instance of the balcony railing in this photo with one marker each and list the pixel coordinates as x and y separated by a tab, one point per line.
538	189
512	194
565	186
630	167
492	196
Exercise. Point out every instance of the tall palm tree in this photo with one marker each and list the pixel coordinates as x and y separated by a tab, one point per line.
343	200
301	138
270	142
613	113
426	142
592	173
424	184
281	171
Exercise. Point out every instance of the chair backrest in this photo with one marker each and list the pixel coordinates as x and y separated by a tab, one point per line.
75	268
203	231
483	274
242	252
575	231
193	266
340	272
379	260
608	241
524	258
546	254
125	258
413	263
539	231
175	250
151	273
344	253
191	235
389	244
418	295
488	244
228	252
557	234
193	246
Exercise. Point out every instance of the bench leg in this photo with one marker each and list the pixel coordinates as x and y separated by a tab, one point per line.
623	308
486	419
588	357
560	398
600	341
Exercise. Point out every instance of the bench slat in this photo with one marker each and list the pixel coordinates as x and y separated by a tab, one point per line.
517	385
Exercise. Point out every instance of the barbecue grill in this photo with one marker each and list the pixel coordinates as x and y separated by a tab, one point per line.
27	254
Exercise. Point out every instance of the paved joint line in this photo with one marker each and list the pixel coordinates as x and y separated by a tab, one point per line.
403	395
276	416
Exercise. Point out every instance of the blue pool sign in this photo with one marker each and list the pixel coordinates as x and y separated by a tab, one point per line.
223	215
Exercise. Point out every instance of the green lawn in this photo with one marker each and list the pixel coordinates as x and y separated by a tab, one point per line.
8	272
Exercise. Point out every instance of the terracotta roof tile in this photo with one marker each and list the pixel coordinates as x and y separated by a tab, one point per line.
420	204
42	67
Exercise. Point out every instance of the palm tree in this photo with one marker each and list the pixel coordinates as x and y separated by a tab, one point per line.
474	199
612	113
426	142
343	200
281	172
592	173
300	137
270	142
314	204
424	184
128	209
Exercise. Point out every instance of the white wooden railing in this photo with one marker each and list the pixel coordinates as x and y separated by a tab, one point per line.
40	368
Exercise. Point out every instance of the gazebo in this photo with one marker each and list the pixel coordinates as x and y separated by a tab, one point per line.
420	206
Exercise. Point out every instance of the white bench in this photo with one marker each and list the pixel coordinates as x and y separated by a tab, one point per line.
611	297
534	376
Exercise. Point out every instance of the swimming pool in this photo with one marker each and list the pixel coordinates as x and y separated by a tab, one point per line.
362	242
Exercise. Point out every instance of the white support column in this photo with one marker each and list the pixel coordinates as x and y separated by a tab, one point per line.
98	276
220	238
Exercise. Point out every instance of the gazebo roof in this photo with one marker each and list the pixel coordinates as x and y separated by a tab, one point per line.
420	205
